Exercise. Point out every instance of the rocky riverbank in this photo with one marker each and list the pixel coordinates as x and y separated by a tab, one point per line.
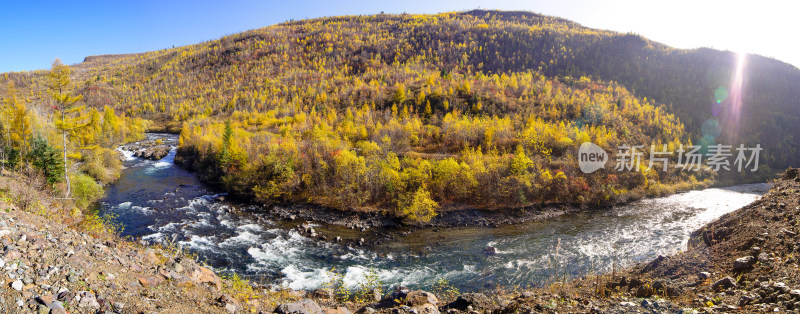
372	228
456	217
745	261
149	149
47	267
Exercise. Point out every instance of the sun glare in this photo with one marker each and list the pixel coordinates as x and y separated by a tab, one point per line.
727	106
736	88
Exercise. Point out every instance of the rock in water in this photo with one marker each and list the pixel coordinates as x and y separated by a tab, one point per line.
148	150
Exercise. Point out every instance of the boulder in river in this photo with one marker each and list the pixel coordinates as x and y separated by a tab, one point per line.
153	153
153	150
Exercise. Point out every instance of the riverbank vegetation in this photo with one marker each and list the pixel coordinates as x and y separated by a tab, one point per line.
410	163
60	147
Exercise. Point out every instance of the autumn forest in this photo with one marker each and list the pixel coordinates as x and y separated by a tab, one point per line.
406	115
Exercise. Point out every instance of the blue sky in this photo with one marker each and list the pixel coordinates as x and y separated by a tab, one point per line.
34	33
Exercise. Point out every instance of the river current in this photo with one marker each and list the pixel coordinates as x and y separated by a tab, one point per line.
157	201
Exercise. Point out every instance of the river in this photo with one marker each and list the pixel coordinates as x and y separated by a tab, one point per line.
157	201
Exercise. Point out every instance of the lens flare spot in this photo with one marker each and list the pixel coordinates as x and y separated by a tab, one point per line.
705	142
716	108
712	128
720	94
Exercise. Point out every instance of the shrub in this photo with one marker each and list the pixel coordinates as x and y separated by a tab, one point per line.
103	164
239	288
25	188
420	207
444	290
336	283
98	226
85	190
366	288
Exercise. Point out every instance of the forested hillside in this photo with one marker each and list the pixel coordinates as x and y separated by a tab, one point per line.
57	153
407	113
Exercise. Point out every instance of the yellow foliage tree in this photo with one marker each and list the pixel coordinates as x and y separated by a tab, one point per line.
420	208
69	117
